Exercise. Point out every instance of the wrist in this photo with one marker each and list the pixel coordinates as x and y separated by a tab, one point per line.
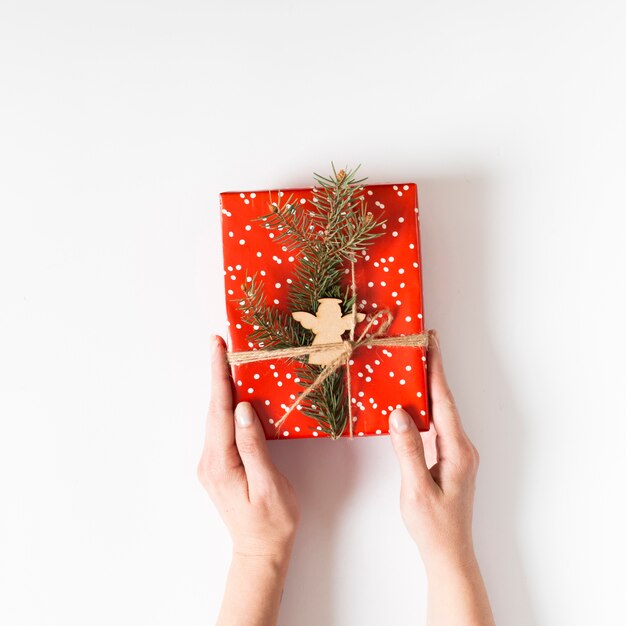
445	564
272	560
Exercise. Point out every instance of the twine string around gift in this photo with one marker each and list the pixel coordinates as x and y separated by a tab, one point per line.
367	338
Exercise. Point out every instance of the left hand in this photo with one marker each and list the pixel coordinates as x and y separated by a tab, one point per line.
256	502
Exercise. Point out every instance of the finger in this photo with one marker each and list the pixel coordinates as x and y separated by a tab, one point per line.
429	441
220	429
444	412
252	446
407	444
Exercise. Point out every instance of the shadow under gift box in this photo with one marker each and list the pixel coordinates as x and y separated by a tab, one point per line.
387	277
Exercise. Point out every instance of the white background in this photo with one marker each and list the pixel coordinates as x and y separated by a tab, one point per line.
121	122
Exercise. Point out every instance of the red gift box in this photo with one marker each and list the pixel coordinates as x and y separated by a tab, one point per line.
388	277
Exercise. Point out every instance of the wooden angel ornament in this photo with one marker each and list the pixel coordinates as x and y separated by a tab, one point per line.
328	325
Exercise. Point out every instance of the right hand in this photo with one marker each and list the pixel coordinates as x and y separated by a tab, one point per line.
437	502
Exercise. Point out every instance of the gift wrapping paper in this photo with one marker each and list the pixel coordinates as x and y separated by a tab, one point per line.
388	276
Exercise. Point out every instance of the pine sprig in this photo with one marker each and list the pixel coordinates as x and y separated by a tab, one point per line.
271	328
325	234
327	403
333	228
292	226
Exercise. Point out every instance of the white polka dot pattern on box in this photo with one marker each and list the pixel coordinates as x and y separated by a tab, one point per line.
388	277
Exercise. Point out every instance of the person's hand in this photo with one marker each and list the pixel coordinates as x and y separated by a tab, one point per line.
256	502
436	502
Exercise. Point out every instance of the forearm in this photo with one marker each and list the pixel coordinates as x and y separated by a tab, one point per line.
457	595
253	590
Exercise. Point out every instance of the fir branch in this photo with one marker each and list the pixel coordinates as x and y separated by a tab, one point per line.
330	231
327	403
317	276
293	227
341	219
271	327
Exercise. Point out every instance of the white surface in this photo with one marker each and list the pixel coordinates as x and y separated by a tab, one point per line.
120	122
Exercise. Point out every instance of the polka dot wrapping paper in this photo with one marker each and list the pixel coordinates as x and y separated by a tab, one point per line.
388	276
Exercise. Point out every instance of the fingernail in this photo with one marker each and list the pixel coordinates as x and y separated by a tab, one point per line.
435	337
244	414
399	420
213	343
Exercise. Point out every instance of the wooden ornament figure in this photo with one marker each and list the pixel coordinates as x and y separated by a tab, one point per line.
328	325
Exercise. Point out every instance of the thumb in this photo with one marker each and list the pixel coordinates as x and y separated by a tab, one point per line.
408	446
251	444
